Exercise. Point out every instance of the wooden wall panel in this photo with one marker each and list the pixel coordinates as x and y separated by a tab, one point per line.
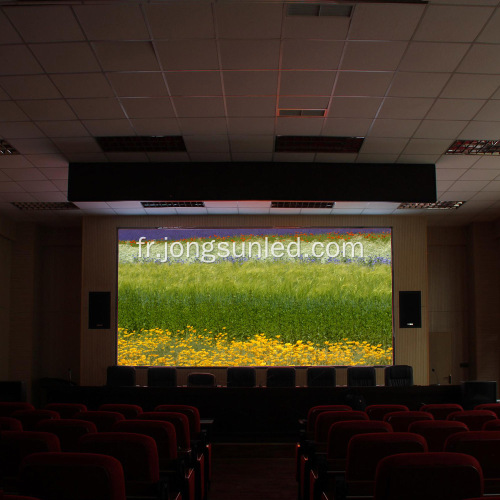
98	347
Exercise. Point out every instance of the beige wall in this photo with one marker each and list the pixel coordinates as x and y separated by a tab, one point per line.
98	347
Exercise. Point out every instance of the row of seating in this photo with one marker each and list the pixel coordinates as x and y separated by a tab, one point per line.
167	443
282	376
340	449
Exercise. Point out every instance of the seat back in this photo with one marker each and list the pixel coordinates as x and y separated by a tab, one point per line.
198	379
366	450
494	407
361	376
8	408
120	376
66	410
241	376
440	411
473	419
436	432
433	476
127	410
321	376
29	418
280	376
68	430
313	413
191	413
75	476
326	419
179	421
162	376
401	420
377	412
10	424
398	376
136	452
103	420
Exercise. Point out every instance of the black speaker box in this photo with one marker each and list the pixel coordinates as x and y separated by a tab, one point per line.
478	392
410	314
99	310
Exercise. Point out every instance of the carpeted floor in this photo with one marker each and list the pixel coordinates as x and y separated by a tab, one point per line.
253	472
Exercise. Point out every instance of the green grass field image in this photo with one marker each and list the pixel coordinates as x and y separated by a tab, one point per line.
229	297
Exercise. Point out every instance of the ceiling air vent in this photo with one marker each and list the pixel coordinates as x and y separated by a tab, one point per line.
125	144
461	147
318	10
302	204
438	205
7	149
172	204
317	144
35	205
302	112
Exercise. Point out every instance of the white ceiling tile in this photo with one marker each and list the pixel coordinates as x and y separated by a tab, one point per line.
74	57
426	146
299	102
210	157
40	186
222	211
10	187
191	211
347	211
401	108
299	126
17	59
45	23
252	157
156	126
384	22
354	107
250	106
83	85
103	128
168	157
3	95
489	112
350	127
78	145
481	131
335	157
306	82
67	128
487	162
471	86
200	126
491	33
100	211
440	129
250	125
126	56
29	87
254	204
85	205
192	107
455	109
194	83
55	173
7	32
14	161
50	109
86	157
138	84
34	146
207	144
442	186
25	174
492	186
318	27
478	174
452	23
468	185
249	54
251	82
284	211
373	56
362	83
248	20
311	54
253	211
252	143
383	145
481	59
160	211
376	158
12	130
4	177
90	109
457	161
294	157
136	157
54	196
426	159
188	54
124	204
393	128
48	161
180	20
487	196
112	22
433	57
221	204
457	195
377	211
407	84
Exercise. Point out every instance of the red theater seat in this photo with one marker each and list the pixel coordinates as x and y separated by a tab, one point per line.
313	413
440	411
494	407
103	420
377	412
401	420
474	419
127	410
7	409
66	410
326	419
29	418
436	432
10	424
69	431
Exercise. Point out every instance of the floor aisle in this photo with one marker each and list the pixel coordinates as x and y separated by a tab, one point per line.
253	472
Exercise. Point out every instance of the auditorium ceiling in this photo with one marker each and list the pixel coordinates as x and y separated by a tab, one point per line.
228	78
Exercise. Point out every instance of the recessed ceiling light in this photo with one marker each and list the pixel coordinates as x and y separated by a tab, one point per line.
302	204
463	147
438	205
7	149
172	204
53	205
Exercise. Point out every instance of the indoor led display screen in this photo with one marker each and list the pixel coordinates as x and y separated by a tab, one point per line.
254	297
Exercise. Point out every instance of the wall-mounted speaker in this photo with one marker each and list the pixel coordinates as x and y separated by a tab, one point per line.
99	310
410	309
